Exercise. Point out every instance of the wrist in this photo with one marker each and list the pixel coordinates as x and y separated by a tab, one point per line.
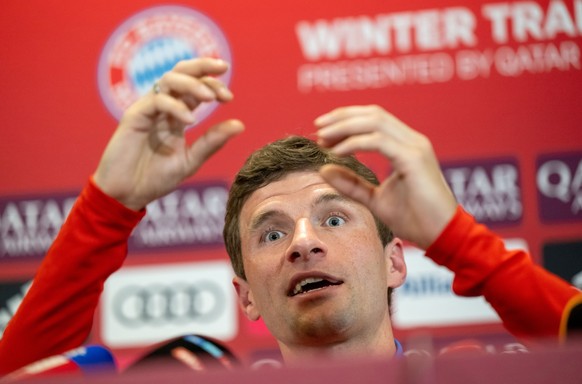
128	204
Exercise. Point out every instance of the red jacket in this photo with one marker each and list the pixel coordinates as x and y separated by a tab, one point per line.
57	313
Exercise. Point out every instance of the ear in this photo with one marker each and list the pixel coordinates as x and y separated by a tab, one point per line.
395	264
245	298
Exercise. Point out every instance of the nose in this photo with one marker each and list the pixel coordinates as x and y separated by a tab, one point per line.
305	243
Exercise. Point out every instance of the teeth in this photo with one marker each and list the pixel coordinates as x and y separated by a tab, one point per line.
299	286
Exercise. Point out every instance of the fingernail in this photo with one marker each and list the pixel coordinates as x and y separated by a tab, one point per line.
226	92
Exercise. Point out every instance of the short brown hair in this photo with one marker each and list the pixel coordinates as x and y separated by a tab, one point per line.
271	163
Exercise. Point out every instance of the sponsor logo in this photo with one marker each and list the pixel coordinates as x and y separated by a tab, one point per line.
145	305
149	44
563	259
11	295
489	189
427	290
559	183
192	216
168	303
28	225
189	216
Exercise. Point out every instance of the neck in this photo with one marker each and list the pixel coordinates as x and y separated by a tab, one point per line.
379	344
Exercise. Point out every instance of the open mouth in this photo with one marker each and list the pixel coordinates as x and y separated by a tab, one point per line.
312	284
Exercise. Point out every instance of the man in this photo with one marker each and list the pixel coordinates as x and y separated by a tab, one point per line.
315	265
309	243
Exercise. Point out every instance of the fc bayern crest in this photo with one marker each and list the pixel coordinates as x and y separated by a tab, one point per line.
149	44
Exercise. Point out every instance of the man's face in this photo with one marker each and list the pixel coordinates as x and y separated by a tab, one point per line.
316	269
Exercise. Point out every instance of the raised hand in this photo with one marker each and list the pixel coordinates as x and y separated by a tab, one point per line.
148	155
415	200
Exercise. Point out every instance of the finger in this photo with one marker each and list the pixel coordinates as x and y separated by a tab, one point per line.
179	84
371	142
349	121
348	183
212	140
220	90
162	103
192	90
334	133
340	113
202	67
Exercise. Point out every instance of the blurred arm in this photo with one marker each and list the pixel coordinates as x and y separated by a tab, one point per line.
56	315
532	302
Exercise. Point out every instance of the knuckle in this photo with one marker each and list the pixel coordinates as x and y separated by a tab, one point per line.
424	143
130	114
377	111
423	148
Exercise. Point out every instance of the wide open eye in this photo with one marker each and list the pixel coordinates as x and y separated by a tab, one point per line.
272	236
335	221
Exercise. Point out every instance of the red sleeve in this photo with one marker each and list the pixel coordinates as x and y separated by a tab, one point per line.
57	313
531	302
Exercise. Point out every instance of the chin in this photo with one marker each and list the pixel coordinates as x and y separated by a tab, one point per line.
319	329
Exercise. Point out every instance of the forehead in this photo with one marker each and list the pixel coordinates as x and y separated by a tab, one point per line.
295	185
296	194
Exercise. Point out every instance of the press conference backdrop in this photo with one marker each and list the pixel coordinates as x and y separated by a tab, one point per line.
496	86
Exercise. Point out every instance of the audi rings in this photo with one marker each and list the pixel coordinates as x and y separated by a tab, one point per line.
200	302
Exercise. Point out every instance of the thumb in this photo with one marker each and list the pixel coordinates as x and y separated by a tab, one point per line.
212	140
349	183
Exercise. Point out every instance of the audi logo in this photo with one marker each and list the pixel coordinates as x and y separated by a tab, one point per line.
202	301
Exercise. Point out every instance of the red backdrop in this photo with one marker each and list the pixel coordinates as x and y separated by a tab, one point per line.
496	86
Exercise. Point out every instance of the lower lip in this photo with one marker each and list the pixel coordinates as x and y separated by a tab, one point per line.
316	293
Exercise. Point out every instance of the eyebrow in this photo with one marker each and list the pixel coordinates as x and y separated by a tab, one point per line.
332	196
263	217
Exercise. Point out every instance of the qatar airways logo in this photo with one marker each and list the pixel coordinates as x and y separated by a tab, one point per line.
190	217
28	225
488	189
559	184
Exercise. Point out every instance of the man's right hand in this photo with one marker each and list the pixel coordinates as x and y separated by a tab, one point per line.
148	155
